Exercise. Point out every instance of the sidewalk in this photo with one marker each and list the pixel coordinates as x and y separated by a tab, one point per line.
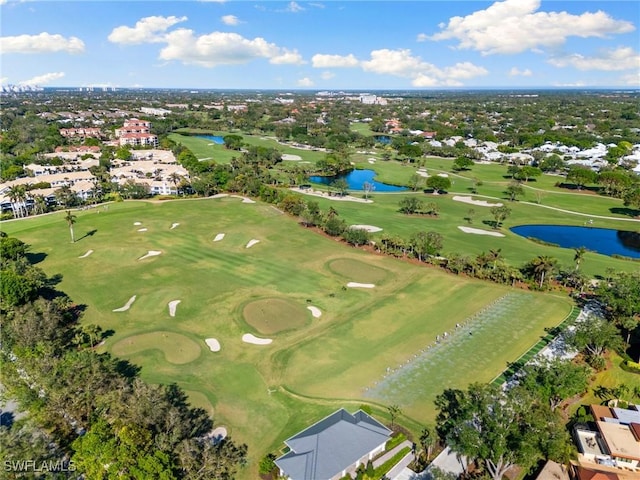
379	461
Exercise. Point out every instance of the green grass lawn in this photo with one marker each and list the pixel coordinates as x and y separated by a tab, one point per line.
263	394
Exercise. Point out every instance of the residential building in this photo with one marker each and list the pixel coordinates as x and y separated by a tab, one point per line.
80	132
133	125
335	445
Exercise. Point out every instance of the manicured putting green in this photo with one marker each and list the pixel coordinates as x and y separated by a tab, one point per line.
357	271
274	315
177	349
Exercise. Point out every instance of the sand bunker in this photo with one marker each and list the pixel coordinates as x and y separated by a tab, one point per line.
422	173
478	231
142	229
174	225
137	223
479	203
315	311
252	243
292	158
89	252
219	237
150	253
126	305
360	285
445	175
368	228
250	338
218	434
172	307
213	344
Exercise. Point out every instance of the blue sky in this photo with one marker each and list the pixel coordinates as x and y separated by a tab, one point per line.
321	45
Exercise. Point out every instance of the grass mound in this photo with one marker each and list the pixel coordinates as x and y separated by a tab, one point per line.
357	271
177	349
274	315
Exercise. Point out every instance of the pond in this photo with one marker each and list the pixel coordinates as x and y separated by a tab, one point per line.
356	178
218	140
384	139
601	240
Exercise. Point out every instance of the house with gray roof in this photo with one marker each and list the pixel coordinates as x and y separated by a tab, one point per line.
335	445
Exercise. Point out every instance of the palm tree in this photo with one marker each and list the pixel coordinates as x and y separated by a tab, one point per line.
579	256
70	219
175	178
543	265
13	196
40	204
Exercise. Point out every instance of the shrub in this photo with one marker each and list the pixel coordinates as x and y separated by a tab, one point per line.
596	362
267	464
632	366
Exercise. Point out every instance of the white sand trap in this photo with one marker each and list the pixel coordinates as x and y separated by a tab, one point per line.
150	253
479	203
251	338
315	311
174	225
445	175
422	173
142	229
372	161
218	434
220	195
126	305
360	285
252	243
137	223
292	158
89	252
213	344
478	231
172	307
368	228
219	237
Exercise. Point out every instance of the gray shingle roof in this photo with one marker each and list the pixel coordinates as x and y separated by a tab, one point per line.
329	446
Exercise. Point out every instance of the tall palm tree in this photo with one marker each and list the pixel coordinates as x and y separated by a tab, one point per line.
40	204
542	265
70	219
579	256
175	178
13	194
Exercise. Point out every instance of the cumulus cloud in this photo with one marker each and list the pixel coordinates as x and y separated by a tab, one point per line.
221	48
305	82
516	72
146	30
43	79
41	43
334	61
422	37
622	58
230	20
514	26
287	57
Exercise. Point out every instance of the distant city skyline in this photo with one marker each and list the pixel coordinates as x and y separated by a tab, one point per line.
321	45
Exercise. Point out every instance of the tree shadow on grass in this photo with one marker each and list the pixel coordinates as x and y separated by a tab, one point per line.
127	369
90	233
36	257
627	212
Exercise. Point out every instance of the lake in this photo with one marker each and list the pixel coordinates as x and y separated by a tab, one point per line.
213	138
601	240
356	178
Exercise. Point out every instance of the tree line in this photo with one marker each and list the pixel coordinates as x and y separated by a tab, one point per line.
90	411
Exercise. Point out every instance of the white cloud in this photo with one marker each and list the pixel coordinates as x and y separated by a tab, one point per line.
516	72
422	37
222	48
287	57
230	20
632	79
43	79
41	43
146	30
334	61
579	83
622	58
327	75
402	63
305	82
514	26
294	7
